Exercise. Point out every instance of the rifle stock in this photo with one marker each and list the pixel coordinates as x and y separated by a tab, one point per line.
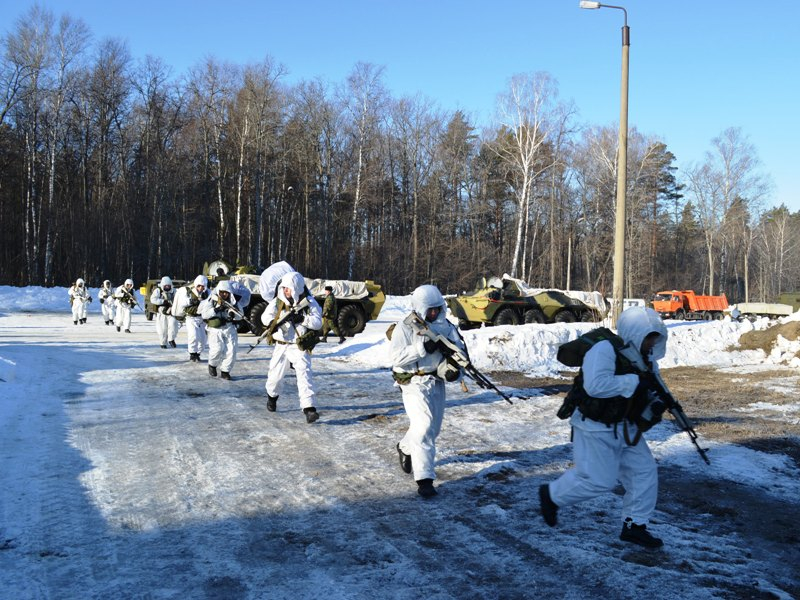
452	352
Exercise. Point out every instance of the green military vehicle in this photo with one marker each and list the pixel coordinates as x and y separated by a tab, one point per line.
509	301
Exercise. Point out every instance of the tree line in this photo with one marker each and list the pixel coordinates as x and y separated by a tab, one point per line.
112	167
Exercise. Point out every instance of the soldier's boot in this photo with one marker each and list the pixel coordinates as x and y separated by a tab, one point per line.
212	371
311	414
173	344
341	339
425	488
638	534
225	375
272	403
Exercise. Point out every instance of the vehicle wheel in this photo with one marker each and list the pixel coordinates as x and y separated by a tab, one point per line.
565	316
255	317
464	324
534	315
148	315
706	315
242	327
680	314
506	316
719	316
589	316
351	320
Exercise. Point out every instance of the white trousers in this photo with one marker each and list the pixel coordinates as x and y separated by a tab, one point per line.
123	318
423	399
108	309
78	310
196	334
282	356
223	343
166	327
601	458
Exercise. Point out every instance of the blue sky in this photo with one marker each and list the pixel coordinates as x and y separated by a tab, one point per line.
697	67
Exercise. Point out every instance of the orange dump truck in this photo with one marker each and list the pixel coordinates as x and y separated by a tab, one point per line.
685	304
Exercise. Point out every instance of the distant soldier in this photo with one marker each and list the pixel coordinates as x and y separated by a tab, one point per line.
167	326
187	304
329	313
106	296
293	340
125	303
221	314
79	298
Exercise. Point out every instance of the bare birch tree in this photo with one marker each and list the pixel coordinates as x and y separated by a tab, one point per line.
525	113
366	96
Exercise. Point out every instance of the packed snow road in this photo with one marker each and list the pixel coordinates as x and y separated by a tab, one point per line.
127	471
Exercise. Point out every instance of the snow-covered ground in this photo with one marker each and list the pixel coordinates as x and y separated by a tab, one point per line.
127	471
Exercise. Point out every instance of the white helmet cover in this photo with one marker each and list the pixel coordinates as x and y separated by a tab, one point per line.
129	282
166	281
295	282
636	323
428	296
200	280
79	281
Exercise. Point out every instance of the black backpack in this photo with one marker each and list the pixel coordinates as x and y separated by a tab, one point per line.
572	353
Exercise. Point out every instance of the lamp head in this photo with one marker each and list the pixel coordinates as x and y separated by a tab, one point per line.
589	4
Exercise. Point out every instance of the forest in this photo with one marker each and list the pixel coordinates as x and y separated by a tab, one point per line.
113	166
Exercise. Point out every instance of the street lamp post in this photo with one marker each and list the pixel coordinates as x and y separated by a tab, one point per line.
622	168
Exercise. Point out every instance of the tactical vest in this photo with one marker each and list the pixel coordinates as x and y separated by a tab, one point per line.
604	410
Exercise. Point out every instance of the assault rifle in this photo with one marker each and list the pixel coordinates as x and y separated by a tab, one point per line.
453	353
662	391
237	312
274	326
132	297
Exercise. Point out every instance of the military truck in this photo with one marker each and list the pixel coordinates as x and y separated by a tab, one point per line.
510	301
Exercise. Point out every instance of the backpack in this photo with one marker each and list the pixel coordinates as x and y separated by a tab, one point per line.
572	354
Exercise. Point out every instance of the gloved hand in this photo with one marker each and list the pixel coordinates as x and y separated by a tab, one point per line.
430	346
90	298
296	318
194	301
646	386
232	314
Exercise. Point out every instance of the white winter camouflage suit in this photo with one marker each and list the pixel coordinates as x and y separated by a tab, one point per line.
163	296
423	395
79	297
286	350
601	454
107	301
187	302
123	295
223	341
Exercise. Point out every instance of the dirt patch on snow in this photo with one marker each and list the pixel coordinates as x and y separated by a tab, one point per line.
765	339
